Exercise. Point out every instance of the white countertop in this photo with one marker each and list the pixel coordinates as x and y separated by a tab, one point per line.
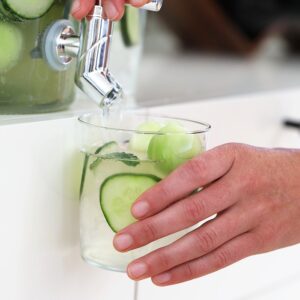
40	252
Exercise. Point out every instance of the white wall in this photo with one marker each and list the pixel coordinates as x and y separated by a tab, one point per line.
39	180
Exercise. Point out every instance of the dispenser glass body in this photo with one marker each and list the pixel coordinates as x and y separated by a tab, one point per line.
27	83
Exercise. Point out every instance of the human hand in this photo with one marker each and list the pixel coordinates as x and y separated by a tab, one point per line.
255	193
114	9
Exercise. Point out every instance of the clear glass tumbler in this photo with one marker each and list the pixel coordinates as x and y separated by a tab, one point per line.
120	162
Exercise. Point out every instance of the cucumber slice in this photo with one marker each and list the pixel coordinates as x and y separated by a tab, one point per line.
7	15
140	142
10	46
27	9
173	147
117	195
104	149
130	26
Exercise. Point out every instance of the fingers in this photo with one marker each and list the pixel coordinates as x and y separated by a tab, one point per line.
114	9
201	241
81	8
138	3
181	215
196	173
231	252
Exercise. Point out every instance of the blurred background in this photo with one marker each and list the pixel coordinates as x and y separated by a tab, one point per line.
199	49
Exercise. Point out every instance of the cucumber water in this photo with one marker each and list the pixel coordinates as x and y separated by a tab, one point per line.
11	46
117	173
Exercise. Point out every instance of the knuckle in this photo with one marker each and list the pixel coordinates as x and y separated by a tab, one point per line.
266	236
196	166
237	150
164	192
193	209
163	260
222	259
205	241
249	182
149	232
233	148
252	182
259	242
190	271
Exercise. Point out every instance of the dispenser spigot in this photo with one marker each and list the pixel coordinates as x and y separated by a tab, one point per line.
60	45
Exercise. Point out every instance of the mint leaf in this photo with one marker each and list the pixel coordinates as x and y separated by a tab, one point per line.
98	160
95	163
128	159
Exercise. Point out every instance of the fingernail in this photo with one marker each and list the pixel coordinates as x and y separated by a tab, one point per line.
140	209
162	278
75	6
137	270
111	11
123	242
136	2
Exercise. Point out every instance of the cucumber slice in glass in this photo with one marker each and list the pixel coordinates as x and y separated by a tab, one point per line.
173	147
130	26
10	46
27	9
117	195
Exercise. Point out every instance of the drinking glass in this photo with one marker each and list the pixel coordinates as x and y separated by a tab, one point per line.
117	167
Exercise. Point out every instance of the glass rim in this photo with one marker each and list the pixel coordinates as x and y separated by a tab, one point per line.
205	126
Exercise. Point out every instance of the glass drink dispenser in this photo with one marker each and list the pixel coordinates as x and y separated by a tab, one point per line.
37	76
27	83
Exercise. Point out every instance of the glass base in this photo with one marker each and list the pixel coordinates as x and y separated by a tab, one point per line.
103	266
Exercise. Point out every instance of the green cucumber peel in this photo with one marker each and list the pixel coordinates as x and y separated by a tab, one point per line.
26	10
7	15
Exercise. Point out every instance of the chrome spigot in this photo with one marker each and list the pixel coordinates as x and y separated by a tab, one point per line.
60	45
